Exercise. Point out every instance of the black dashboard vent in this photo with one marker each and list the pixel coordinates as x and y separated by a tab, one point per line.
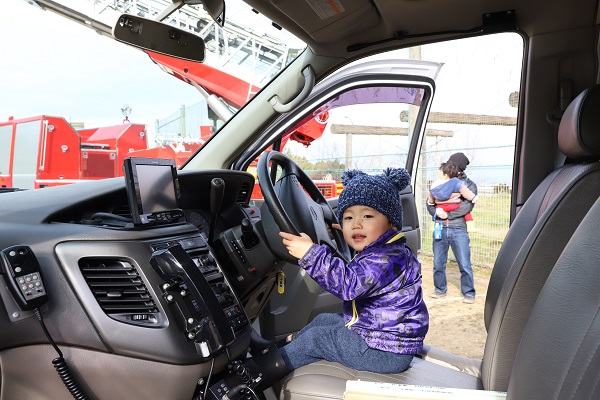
244	193
120	291
122	210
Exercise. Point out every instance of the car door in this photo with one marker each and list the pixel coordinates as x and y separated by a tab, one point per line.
370	115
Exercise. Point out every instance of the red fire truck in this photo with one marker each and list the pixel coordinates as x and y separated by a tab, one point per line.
42	151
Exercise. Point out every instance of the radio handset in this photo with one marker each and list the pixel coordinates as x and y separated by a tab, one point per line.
205	321
22	273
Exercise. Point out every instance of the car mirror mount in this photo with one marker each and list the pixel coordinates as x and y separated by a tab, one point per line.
214	8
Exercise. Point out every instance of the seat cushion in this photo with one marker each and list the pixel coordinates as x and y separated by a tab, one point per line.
327	380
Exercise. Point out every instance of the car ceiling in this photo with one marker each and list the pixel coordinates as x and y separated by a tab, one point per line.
378	20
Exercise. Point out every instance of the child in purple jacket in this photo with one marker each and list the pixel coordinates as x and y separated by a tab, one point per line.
385	318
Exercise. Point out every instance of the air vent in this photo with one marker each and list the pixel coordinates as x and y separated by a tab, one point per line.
122	210
244	193
120	291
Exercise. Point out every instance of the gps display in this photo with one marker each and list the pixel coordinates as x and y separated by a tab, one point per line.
152	190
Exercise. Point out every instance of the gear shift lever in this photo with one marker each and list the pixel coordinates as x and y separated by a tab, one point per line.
217	191
249	238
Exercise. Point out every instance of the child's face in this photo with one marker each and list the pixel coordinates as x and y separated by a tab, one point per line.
363	225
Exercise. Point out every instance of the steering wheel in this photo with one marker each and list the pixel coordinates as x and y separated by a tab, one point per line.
296	205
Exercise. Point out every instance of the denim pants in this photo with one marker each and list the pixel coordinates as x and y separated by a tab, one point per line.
457	238
326	338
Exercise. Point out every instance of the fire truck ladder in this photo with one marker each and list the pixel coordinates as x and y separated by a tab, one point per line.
236	48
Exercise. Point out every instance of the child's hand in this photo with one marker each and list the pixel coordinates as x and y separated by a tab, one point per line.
296	245
336	226
441	213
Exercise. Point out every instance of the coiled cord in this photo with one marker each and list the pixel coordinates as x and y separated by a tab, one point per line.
240	369
60	364
246	387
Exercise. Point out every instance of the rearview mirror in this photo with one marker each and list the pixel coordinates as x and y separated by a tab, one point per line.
159	37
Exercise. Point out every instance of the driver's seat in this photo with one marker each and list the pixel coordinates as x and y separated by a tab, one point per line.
569	192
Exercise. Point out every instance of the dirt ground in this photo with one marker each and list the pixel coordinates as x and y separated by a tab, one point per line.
453	325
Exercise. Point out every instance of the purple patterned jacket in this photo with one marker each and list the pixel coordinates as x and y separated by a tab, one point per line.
381	289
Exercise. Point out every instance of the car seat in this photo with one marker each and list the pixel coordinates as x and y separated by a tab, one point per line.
530	250
559	354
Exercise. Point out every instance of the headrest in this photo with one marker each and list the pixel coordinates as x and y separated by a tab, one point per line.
579	130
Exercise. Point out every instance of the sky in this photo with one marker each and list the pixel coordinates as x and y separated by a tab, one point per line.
52	66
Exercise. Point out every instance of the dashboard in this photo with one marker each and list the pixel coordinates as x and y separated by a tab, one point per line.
184	293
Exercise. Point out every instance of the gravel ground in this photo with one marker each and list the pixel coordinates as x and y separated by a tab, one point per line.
453	325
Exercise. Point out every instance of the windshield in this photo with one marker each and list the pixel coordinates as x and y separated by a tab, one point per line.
108	101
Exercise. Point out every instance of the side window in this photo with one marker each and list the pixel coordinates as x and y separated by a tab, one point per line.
363	128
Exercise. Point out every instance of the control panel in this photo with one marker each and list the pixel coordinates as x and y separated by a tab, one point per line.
162	217
198	295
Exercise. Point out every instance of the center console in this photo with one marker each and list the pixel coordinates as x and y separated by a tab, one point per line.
198	295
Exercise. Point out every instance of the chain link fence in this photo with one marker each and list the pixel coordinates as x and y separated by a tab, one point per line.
185	122
491	215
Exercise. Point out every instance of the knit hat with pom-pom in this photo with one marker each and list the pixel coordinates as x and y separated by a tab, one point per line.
381	192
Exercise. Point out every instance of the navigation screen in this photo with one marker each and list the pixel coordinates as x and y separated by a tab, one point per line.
157	192
152	190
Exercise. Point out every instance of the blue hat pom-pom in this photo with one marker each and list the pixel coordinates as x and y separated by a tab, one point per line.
350	174
399	177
